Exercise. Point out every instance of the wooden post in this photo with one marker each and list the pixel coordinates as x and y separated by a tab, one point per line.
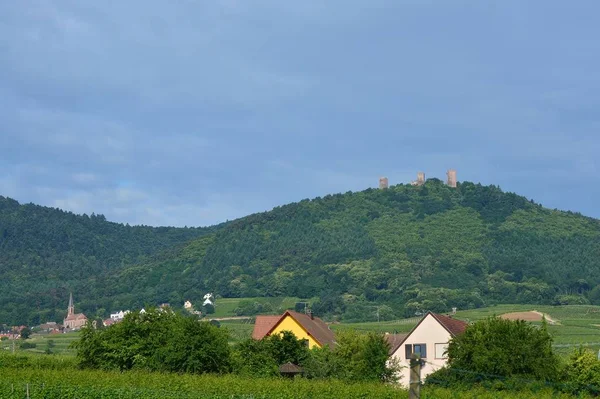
27	390
414	384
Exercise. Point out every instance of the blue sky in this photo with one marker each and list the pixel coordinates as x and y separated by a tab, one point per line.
194	112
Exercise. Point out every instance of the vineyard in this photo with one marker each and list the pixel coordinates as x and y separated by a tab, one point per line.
71	384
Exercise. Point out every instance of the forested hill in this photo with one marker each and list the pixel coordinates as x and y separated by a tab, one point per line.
402	249
46	252
408	248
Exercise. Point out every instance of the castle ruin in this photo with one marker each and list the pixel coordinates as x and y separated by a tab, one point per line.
383	182
451	182
420	179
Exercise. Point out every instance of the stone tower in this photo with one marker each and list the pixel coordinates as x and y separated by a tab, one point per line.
383	182
420	178
451	178
71	308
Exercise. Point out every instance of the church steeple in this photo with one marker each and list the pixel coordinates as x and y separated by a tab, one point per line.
71	309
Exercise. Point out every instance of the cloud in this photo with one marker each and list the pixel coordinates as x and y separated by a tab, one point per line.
200	111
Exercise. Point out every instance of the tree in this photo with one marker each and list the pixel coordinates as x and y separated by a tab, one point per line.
497	348
263	357
208	308
25	333
365	356
158	340
582	372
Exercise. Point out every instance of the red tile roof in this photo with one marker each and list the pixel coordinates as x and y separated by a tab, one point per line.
454	326
395	340
263	325
315	327
76	316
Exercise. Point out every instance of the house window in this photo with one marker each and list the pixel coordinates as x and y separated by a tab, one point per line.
417	349
440	351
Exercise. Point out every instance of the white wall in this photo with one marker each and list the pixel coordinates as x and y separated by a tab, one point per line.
429	332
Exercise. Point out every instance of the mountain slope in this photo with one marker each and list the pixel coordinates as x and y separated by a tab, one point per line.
45	253
390	252
409	248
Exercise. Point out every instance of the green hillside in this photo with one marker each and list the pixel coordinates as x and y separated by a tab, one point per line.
45	253
389	252
400	250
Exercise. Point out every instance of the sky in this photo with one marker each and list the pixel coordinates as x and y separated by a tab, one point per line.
194	112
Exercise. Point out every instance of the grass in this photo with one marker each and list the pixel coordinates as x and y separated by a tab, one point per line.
61	344
224	307
578	324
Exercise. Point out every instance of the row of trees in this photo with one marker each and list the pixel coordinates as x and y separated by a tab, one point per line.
161	340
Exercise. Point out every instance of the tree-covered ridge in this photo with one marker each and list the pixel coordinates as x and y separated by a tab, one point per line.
46	252
391	252
404	249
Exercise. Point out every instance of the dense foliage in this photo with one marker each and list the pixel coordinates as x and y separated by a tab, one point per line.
161	340
59	380
158	340
513	355
45	253
97	384
405	249
496	348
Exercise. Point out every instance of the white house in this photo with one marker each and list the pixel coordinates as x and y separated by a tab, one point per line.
119	315
188	305
429	338
208	299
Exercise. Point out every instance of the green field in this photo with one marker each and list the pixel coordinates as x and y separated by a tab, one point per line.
224	307
577	324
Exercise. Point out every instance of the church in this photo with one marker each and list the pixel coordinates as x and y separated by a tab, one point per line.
74	321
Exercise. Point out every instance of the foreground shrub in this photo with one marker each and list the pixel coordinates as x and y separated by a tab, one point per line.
263	357
498	349
157	340
582	372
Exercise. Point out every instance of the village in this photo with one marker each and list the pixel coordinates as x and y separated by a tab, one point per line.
427	339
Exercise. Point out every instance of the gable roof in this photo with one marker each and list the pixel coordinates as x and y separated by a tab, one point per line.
395	340
264	324
76	316
315	327
453	326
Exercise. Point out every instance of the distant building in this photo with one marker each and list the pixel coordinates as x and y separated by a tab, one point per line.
109	322
49	326
188	305
74	321
120	315
208	299
451	182
383	182
420	179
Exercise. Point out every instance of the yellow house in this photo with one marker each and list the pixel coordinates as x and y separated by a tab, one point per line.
303	326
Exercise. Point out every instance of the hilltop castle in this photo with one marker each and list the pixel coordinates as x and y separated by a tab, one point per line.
451	180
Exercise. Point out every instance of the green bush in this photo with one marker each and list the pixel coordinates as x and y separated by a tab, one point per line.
157	340
498	349
582	372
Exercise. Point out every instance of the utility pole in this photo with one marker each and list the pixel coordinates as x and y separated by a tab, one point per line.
414	382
